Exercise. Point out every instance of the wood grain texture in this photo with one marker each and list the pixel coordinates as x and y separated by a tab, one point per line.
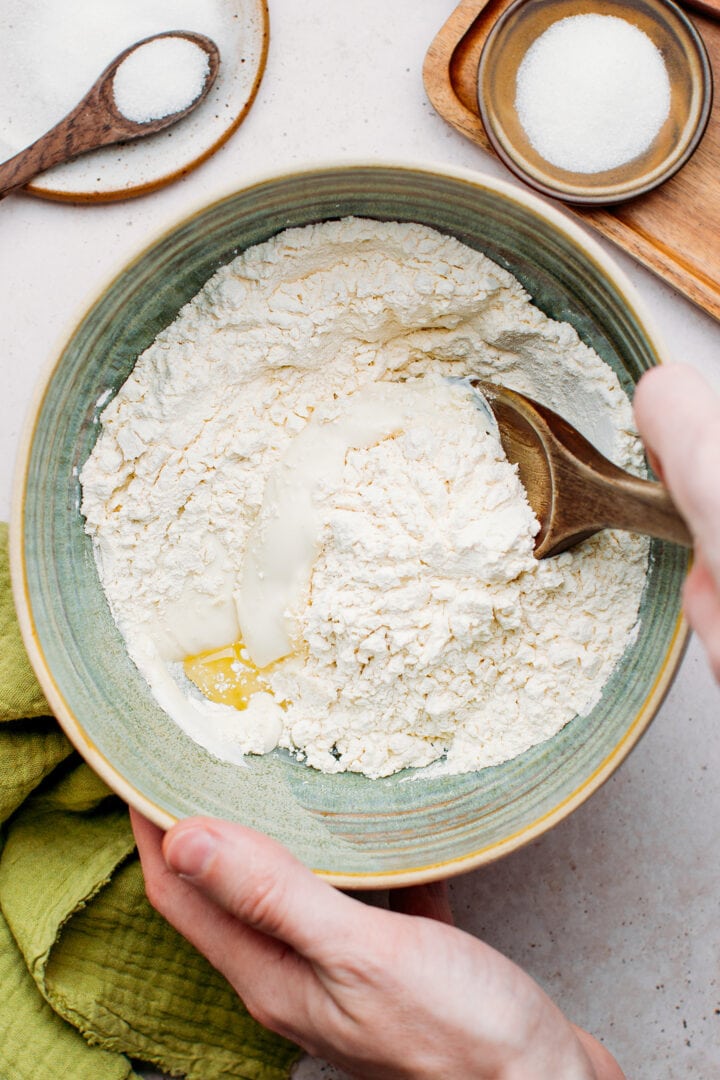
674	230
573	489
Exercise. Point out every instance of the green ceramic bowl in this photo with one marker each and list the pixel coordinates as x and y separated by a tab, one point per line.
357	832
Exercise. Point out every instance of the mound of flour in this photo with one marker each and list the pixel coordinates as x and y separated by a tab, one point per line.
422	626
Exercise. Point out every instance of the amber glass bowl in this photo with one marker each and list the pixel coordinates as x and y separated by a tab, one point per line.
689	72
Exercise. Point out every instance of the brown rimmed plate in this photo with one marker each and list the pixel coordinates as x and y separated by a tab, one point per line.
52	52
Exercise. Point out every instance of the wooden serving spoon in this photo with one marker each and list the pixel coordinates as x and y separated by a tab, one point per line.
96	120
573	490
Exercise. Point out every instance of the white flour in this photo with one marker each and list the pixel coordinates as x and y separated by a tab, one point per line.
389	545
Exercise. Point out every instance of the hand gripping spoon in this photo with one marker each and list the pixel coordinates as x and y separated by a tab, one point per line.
573	490
97	120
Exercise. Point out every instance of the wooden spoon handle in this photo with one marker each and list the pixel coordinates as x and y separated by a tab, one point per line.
640	506
55	146
87	127
614	498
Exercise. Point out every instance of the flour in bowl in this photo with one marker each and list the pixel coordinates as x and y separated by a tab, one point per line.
292	504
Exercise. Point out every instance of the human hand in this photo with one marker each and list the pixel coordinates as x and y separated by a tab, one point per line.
387	995
678	416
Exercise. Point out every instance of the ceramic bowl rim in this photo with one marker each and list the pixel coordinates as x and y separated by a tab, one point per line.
72	726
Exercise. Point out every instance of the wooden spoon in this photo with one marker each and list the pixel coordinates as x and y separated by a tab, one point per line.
96	121
573	490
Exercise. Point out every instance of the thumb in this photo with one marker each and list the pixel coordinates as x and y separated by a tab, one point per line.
262	885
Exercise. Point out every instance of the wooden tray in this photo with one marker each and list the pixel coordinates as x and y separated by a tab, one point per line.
674	230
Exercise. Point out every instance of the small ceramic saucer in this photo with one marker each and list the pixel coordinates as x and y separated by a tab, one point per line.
690	75
51	52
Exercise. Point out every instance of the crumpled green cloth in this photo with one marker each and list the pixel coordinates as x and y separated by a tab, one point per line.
90	975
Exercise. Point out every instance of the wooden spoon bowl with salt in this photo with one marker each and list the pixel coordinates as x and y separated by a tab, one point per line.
98	120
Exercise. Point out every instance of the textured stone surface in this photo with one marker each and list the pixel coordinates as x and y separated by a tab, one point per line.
616	911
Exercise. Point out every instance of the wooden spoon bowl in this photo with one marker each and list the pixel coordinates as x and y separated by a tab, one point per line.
573	490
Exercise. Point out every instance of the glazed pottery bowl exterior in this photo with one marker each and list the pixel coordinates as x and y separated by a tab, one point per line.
358	832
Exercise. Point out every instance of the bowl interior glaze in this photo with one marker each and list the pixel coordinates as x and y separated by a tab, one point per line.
358	832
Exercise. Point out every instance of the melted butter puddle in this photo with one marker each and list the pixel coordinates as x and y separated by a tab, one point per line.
228	675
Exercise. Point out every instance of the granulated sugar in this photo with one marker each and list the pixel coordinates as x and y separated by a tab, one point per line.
592	93
160	78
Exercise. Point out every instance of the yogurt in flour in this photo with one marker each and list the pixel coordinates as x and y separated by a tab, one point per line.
295	511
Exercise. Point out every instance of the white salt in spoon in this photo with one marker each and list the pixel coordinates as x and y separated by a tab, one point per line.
149	86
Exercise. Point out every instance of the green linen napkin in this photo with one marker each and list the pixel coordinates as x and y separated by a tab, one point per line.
90	975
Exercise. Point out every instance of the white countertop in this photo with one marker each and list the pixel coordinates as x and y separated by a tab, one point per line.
615	911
